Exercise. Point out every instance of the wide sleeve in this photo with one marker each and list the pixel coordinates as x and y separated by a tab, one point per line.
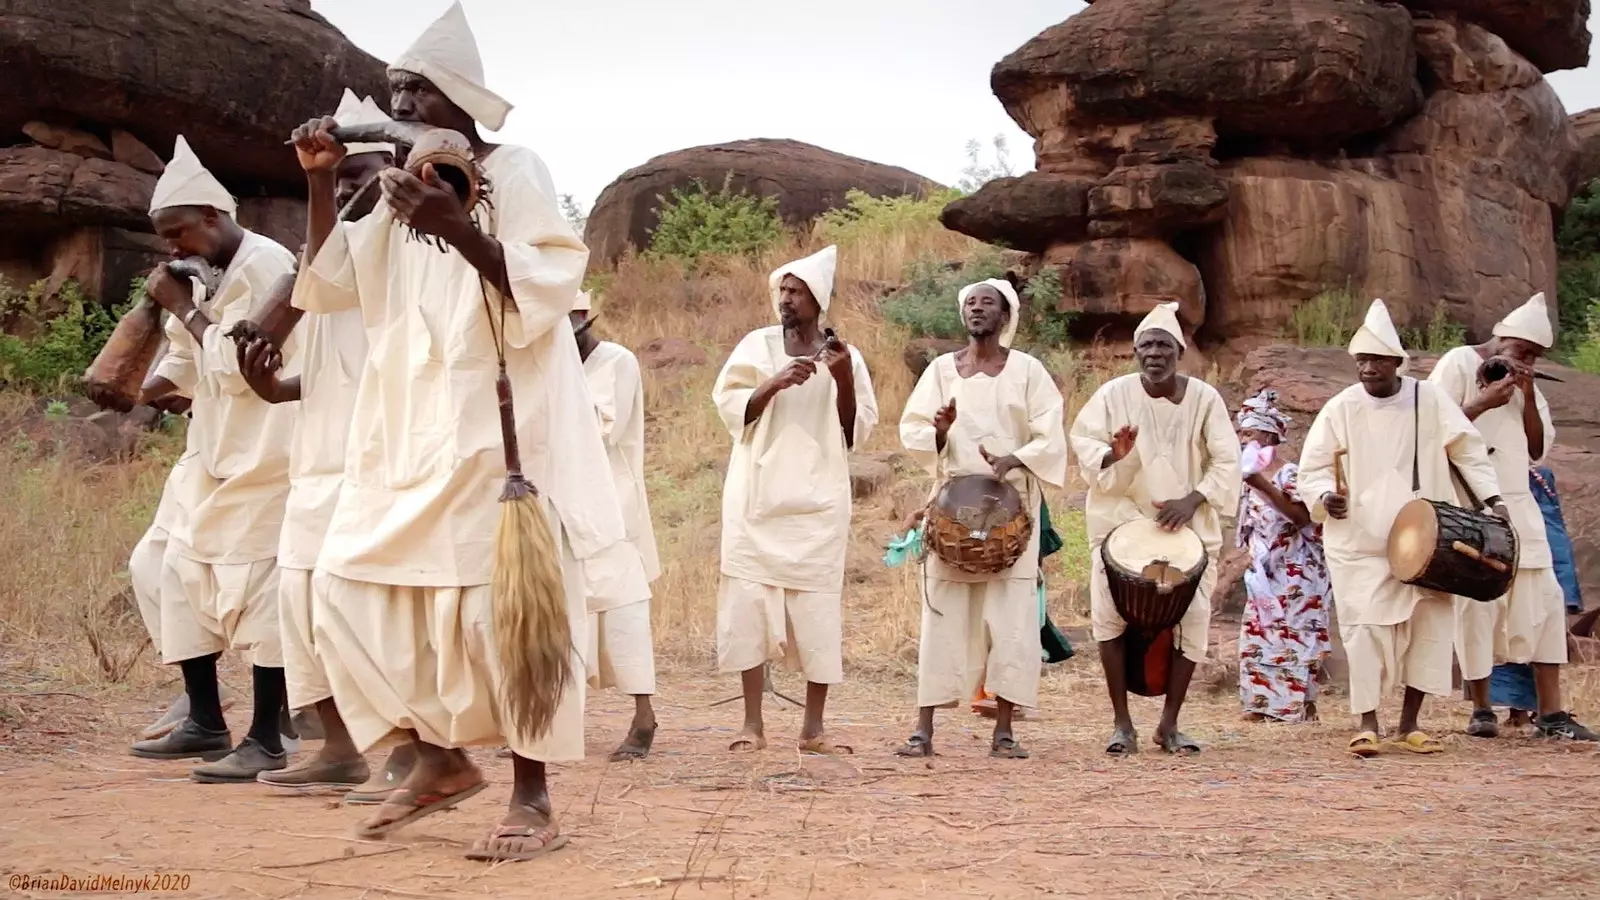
866	399
328	284
746	369
1317	478
1220	483
916	420
627	398
1452	378
544	258
1547	423
1091	442
177	364
1466	449
259	278
1045	453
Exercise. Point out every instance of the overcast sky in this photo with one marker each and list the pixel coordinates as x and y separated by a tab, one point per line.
604	85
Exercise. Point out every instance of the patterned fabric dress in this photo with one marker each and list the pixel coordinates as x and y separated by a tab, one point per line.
1284	636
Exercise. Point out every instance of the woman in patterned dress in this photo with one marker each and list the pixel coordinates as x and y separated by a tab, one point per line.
1284	636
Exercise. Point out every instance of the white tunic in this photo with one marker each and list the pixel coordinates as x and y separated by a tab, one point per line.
1507	442
1377	434
1181	448
335	351
618	394
229	492
786	498
426	463
1016	413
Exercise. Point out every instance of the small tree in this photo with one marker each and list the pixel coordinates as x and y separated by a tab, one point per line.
573	212
977	172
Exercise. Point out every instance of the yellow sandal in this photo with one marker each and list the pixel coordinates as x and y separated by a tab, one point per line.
1365	744
1420	742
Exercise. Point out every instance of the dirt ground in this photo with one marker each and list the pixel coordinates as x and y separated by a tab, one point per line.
1265	811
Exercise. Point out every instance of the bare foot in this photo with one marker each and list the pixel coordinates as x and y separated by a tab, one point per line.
432	786
636	745
526	832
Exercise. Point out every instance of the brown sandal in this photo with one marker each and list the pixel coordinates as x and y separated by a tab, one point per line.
422	804
548	835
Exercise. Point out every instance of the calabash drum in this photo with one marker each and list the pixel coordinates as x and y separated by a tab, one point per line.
1452	550
1153	576
117	375
978	524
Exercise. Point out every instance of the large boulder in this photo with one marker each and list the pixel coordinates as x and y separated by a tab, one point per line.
41	188
806	180
1586	130
1299	69
1027	212
1306	378
1156	199
1117	281
233	76
1493	114
1415	231
1553	34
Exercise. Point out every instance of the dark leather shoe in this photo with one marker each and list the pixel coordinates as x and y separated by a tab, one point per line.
187	741
247	760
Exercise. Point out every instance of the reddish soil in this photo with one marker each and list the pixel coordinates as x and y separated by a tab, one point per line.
1265	811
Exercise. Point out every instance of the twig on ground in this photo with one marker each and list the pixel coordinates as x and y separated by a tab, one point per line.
340	858
664	880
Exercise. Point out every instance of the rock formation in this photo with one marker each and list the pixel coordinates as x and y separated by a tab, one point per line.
96	91
807	181
1586	125
1242	156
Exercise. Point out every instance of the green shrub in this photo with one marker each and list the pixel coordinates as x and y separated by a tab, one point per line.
1327	320
1579	234
1577	293
868	217
696	223
926	306
53	359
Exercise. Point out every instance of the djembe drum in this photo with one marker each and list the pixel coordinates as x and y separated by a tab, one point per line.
1453	550
978	524
1153	576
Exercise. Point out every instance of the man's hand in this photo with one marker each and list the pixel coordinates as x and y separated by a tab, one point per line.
170	292
943	419
172	404
915	518
1337	505
1497	508
1497	394
1121	444
1002	465
1174	514
836	356
796	373
259	363
314	145
427	204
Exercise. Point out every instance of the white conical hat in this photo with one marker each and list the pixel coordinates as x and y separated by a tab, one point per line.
1377	335
1530	322
361	112
583	303
185	182
447	55
815	270
1163	318
1013	303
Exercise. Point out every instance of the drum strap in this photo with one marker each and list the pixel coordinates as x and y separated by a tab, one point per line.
1416	450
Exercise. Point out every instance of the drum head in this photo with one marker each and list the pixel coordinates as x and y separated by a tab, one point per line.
1164	557
1413	539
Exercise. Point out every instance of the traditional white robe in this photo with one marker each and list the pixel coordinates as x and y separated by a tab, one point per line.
335	352
621	653
785	512
1393	633
984	629
1529	623
144	563
1181	448
234	478
409	552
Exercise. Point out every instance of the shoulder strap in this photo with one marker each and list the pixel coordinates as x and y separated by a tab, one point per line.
1416	435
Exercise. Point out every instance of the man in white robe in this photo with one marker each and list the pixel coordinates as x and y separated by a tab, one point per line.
621	653
1155	445
219	571
1391	439
1528	624
985	410
795	403
335	350
403	616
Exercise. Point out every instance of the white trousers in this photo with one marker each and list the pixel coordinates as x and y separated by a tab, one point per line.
1415	653
144	571
759	623
302	667
208	608
1527	625
979	633
621	653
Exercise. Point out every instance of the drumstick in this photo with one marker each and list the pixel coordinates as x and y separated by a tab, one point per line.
1338	473
1471	552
